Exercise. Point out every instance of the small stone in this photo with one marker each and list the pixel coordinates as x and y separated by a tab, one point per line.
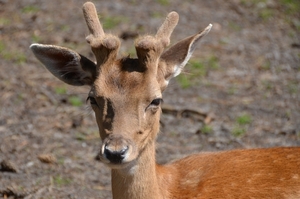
47	158
8	166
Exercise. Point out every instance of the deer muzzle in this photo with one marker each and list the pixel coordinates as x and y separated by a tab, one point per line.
115	150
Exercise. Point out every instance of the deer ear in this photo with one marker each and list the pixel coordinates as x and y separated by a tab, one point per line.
173	60
65	64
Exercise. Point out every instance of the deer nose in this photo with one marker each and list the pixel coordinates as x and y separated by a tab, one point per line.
115	156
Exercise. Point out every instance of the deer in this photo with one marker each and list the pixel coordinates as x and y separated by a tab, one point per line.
126	95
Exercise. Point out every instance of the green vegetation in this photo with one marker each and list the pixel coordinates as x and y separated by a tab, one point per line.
265	10
234	26
4	21
30	9
35	38
291	6
75	101
184	81
109	22
238	131
213	62
232	90
163	2
197	69
156	14
64	28
61	181
2	48
90	134
266	13
61	161
292	87
267	85
6	54
61	90
242	122
224	40
80	136
244	119
206	129
266	65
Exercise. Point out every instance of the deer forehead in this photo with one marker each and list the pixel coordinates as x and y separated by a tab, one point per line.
126	78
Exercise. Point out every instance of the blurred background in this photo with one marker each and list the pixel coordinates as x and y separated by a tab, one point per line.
239	90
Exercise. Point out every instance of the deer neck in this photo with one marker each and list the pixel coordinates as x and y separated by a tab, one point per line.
137	181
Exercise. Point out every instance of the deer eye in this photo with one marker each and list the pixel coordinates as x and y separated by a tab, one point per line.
156	102
92	100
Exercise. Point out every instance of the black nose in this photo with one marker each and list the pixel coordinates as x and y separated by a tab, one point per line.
115	156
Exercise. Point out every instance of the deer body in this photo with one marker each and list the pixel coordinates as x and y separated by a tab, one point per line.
126	95
255	173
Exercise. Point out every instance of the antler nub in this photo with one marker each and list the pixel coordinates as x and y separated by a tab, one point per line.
92	20
166	29
104	46
149	48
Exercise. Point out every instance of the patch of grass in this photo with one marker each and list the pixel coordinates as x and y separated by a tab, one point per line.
266	13
14	56
238	131
131	51
30	9
266	65
296	23
61	181
61	90
156	14
110	22
163	2
206	129
184	81
2	47
244	119
232	90
234	26
65	28
80	136
291	6
213	62
267	85
241	125
17	57
4	21
252	2
197	69
35	38
292	87
61	161
20	58
87	134
75	101
224	41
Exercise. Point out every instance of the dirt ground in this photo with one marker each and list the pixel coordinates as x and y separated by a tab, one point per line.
240	90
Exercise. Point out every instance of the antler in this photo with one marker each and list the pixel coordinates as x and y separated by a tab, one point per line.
104	46
166	29
150	48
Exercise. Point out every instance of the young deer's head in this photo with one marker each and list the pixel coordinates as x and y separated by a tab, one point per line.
125	93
